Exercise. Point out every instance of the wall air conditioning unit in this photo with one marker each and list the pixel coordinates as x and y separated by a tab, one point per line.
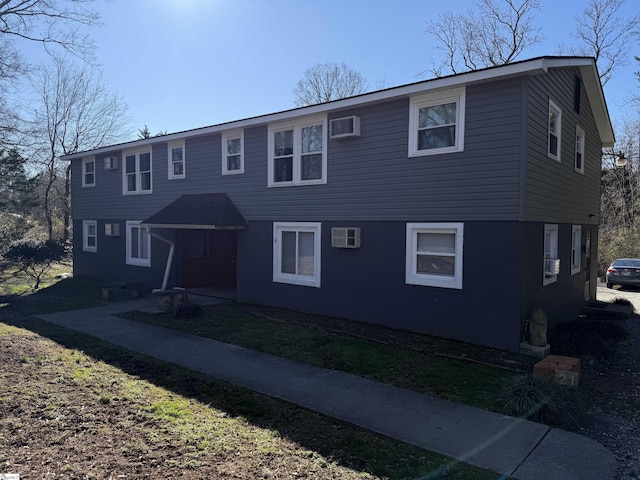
112	229
110	163
345	237
551	267
344	127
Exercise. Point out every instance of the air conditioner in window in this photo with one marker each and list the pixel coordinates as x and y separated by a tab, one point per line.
344	127
345	237
110	163
551	267
112	229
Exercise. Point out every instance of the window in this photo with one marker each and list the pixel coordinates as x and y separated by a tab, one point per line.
434	254
550	254
576	248
137	172
296	253
89	172
436	123
138	244
297	153
233	152
176	160
579	163
555	131
89	236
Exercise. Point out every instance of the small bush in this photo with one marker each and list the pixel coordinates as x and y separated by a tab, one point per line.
187	310
545	402
35	257
587	338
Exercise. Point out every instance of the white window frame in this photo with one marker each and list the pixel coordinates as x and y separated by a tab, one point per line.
576	249
296	279
226	137
170	147
137	153
550	251
553	108
140	262
412	277
86	224
458	96
85	162
297	151
580	143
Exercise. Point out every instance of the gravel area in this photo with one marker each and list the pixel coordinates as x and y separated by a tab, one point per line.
615	411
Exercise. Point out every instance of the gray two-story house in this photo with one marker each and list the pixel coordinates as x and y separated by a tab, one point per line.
454	206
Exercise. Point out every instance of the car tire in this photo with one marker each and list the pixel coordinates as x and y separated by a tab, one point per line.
609	285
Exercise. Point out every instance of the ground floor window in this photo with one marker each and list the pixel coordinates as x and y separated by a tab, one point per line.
434	254
296	253
89	236
138	244
576	248
551	262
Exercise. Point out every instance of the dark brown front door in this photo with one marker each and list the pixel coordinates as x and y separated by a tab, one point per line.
209	258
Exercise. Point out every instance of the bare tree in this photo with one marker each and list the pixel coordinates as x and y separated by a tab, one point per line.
605	33
52	23
328	81
76	112
495	33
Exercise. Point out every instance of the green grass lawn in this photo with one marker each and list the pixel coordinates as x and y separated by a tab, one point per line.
421	368
175	422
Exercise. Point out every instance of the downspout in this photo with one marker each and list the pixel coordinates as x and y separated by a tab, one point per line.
167	270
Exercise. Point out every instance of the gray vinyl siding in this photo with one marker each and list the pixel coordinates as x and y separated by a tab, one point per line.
555	192
369	178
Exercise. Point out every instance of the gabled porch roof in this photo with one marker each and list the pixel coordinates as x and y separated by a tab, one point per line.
207	211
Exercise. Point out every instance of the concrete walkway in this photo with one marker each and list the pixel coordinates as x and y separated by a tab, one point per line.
509	446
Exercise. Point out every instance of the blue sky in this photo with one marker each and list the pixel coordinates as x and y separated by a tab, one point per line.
182	64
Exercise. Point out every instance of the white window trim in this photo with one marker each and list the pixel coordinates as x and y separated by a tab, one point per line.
171	146
85	161
230	135
576	249
580	147
85	235
297	147
140	262
304	280
457	95
553	107
412	276
553	252
137	154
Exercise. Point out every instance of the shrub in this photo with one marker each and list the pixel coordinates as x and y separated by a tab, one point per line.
187	310
545	402
587	338
35	257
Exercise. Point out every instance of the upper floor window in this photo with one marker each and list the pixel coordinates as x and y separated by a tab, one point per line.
434	254
233	152
579	160
89	236
176	160
298	153
89	172
436	123
138	244
137	172
550	261
555	131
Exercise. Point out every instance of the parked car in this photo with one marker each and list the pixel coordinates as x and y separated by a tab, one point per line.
624	271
